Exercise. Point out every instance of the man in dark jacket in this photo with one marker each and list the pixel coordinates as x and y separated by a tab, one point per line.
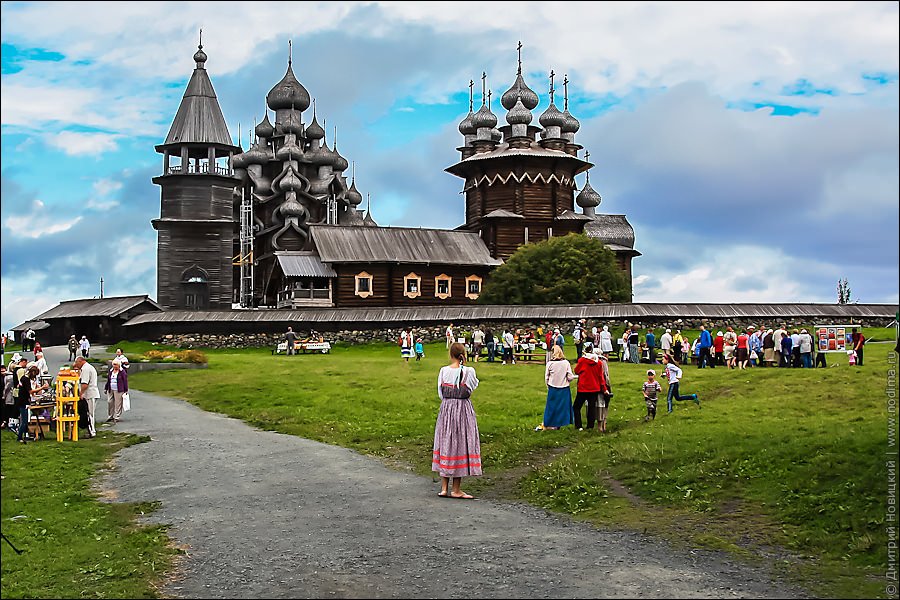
290	337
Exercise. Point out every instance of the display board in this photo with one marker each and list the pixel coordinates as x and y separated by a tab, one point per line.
833	338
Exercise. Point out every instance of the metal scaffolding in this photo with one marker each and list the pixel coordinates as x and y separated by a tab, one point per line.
245	258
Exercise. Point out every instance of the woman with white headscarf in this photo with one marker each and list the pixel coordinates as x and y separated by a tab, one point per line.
606	340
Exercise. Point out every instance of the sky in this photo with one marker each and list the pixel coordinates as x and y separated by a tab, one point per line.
753	146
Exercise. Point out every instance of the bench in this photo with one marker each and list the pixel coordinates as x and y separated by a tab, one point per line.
304	347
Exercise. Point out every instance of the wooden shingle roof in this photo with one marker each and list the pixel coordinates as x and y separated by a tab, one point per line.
97	307
199	118
611	229
338	244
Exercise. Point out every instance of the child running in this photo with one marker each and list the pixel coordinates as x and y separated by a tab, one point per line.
651	389
674	373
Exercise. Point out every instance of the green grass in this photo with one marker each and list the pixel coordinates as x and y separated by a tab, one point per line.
780	462
74	545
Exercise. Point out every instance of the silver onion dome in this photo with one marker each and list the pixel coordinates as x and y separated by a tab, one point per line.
200	57
289	151
290	182
265	128
484	118
588	197
518	114
353	195
239	161
571	124
319	156
288	93
496	135
319	186
314	131
519	91
339	163
467	126
552	117
256	156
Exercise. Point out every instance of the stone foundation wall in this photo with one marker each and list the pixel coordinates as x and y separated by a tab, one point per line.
432	333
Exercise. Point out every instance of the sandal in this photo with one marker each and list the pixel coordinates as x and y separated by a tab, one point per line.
462	496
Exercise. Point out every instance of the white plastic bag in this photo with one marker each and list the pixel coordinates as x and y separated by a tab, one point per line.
126	402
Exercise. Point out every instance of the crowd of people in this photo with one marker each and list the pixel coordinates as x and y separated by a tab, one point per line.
748	347
24	382
457	448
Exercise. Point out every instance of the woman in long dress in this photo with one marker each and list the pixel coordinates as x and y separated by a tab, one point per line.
606	341
558	411
406	344
457	445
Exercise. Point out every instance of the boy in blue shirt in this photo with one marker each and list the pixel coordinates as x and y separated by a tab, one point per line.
420	350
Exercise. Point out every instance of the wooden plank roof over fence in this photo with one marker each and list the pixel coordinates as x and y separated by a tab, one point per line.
437	314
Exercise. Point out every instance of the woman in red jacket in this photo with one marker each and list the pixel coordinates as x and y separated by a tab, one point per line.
590	383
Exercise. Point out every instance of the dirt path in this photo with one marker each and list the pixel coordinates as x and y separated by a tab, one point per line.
271	515
276	516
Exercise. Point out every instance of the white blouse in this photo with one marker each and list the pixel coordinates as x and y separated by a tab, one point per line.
450	375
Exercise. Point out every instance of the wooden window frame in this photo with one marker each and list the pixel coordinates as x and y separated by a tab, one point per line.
437	292
470	279
357	278
406	280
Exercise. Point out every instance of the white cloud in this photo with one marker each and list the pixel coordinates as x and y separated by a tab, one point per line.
733	274
38	222
76	143
102	189
23	297
607	47
105	187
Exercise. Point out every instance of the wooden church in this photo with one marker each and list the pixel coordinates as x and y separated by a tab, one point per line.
279	224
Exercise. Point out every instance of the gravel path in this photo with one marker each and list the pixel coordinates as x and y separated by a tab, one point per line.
269	515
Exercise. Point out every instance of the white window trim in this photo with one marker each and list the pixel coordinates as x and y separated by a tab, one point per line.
364	275
449	293
526	234
406	280
470	278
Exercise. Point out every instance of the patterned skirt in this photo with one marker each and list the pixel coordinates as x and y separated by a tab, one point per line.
457	445
558	412
406	352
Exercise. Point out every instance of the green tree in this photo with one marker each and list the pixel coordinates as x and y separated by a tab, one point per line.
574	269
843	290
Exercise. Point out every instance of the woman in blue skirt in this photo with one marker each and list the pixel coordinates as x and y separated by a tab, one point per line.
558	412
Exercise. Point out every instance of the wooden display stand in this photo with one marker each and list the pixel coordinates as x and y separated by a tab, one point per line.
68	392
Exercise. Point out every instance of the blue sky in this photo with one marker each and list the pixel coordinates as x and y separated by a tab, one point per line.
754	147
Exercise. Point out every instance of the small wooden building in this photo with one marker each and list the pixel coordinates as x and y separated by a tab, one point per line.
102	320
